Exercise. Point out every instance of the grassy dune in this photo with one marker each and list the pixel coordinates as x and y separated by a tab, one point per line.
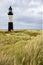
23	47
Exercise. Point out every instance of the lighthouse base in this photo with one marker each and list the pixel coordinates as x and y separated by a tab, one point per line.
10	26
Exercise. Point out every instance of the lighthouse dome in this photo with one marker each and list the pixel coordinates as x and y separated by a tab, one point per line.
10	8
10	11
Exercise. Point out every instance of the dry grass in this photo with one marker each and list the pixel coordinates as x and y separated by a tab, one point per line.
23	47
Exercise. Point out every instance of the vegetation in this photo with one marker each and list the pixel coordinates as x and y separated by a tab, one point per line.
23	47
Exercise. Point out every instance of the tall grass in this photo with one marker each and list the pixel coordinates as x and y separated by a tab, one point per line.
21	48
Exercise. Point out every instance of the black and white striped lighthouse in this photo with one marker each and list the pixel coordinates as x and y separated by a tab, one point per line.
10	17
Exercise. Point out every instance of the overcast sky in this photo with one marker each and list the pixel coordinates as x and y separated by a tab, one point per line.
28	14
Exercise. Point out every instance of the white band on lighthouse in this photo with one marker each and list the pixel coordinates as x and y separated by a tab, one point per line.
10	18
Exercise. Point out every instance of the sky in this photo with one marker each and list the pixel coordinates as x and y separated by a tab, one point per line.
28	14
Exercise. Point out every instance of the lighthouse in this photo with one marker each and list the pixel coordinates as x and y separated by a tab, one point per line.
10	19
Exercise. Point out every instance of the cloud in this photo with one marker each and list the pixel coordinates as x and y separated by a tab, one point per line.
25	11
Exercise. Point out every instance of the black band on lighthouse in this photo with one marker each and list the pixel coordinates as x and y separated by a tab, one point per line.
10	26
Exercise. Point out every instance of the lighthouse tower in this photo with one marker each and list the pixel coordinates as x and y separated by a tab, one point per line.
10	17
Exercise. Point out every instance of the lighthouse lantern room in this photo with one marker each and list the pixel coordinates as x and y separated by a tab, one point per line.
10	17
